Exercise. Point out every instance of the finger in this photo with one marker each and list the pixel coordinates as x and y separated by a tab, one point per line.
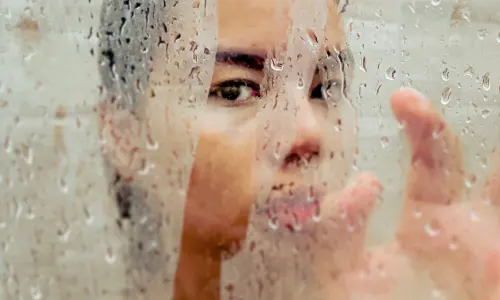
343	224
458	244
496	295
491	190
381	275
436	173
472	237
350	209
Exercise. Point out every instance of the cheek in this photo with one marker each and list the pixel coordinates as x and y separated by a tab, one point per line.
222	188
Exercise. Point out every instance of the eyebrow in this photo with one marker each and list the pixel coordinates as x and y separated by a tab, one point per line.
254	61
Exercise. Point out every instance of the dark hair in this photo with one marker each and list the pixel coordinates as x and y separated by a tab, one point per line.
128	29
127	32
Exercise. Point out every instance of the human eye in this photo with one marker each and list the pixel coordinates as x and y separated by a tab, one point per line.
236	91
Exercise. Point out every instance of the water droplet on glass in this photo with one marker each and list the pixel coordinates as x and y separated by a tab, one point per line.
276	151
390	73
470	72
27	154
317	214
153	245
30	214
432	229
411	7
362	66
310	196
481	33
446	75
110	256
453	245
276	64
384	141
436	2
470	181
273	223
88	217
312	39
435	293
36	293
485	113
445	96
484	163
145	168
343	214
27	57
468	184
300	82
64	234
417	213
7	144
486	82
151	144
465	14
350	227
381	270
64	186
474	217
296	223
17	208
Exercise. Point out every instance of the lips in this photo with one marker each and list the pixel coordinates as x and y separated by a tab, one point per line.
293	207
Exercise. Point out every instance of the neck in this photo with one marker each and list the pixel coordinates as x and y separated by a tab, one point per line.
198	274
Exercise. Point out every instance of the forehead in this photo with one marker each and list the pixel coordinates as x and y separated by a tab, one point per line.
264	23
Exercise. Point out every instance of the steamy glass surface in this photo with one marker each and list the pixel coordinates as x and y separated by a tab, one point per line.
258	149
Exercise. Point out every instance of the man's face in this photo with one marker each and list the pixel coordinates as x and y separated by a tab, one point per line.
276	130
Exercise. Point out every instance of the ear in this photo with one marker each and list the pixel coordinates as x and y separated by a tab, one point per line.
121	136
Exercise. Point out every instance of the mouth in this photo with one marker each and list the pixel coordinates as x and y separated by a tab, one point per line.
292	207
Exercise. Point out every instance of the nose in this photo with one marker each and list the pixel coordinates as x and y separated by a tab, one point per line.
308	139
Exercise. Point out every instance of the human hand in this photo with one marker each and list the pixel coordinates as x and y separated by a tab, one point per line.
457	243
339	246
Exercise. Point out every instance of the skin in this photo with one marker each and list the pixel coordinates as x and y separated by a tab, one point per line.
231	166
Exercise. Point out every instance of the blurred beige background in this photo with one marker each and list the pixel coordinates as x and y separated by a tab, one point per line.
57	239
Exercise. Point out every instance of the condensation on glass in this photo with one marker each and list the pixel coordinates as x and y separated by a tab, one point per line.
153	147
